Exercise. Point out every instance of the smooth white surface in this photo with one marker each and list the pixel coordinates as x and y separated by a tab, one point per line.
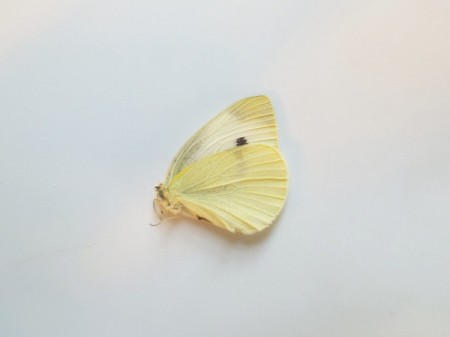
97	96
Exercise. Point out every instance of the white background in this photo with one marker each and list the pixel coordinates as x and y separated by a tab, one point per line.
97	96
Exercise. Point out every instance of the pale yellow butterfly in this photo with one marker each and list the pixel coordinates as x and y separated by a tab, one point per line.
230	173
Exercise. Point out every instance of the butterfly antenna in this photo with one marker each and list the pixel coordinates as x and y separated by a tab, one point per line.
161	220
159	216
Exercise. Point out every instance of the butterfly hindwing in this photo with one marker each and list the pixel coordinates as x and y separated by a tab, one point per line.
241	189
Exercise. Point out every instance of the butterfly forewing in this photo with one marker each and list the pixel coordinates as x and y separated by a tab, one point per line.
248	121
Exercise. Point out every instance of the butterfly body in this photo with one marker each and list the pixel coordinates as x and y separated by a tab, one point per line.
230	172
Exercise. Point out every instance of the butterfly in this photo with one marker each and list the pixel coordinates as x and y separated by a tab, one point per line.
230	173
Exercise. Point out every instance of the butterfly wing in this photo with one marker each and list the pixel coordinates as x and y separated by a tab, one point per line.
250	120
241	189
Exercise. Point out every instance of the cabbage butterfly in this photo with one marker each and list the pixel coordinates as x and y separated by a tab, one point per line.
230	173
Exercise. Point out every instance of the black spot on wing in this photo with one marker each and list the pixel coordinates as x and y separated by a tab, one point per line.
241	141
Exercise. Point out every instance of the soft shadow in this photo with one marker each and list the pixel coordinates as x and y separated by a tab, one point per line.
223	234
235	238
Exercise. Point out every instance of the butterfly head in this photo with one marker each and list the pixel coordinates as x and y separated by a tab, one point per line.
163	204
161	192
